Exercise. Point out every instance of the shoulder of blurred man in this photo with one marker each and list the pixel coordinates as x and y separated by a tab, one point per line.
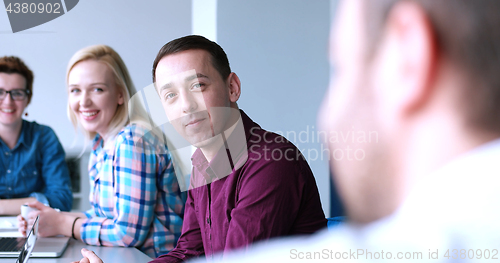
452	214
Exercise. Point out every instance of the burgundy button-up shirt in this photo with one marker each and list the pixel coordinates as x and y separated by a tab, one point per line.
267	193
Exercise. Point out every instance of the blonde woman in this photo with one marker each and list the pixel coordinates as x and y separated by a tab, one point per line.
135	198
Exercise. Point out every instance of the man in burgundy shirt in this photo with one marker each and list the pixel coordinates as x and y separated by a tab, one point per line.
247	184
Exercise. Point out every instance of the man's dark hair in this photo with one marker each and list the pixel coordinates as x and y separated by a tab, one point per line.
217	55
11	64
467	34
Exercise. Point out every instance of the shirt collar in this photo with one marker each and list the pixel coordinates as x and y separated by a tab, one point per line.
227	159
97	143
473	165
24	139
483	157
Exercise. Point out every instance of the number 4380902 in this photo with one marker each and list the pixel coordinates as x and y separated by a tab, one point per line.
34	8
471	254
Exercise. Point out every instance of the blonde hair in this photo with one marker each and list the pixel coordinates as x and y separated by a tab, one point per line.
127	113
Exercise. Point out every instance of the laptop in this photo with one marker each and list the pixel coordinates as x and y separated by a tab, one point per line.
32	245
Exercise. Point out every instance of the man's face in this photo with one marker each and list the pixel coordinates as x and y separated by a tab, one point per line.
358	152
194	96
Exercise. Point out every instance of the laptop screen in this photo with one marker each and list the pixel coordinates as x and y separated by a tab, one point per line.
29	244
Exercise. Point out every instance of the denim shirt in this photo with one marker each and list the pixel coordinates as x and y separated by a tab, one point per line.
35	167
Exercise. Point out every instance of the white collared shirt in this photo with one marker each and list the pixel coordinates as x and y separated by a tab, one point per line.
453	214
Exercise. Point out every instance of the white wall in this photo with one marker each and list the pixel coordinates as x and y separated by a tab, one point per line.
279	50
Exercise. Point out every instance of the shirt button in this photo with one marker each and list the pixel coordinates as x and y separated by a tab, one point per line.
208	221
10	188
8	171
7	153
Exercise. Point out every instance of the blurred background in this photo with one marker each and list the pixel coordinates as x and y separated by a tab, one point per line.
279	49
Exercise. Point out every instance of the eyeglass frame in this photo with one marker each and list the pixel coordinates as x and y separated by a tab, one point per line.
27	91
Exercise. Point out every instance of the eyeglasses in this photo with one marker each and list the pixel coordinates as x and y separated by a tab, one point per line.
15	94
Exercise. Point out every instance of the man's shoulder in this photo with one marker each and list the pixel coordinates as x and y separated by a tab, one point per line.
268	146
455	205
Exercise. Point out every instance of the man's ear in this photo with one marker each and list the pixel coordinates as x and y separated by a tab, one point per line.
234	85
410	41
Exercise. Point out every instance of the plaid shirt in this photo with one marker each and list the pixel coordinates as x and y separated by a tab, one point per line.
134	194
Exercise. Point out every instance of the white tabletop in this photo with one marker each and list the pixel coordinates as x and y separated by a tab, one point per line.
107	254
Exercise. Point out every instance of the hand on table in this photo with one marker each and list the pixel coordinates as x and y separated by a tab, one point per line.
89	257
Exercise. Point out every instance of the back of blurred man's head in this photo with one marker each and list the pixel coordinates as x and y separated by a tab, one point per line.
466	34
415	84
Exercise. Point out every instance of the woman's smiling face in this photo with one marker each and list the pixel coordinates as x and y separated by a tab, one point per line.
93	95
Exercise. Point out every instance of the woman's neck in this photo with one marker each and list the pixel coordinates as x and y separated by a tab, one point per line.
11	133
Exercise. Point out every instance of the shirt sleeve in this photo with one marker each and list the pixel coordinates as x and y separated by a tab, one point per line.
40	198
190	243
134	172
271	194
170	213
90	213
55	172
